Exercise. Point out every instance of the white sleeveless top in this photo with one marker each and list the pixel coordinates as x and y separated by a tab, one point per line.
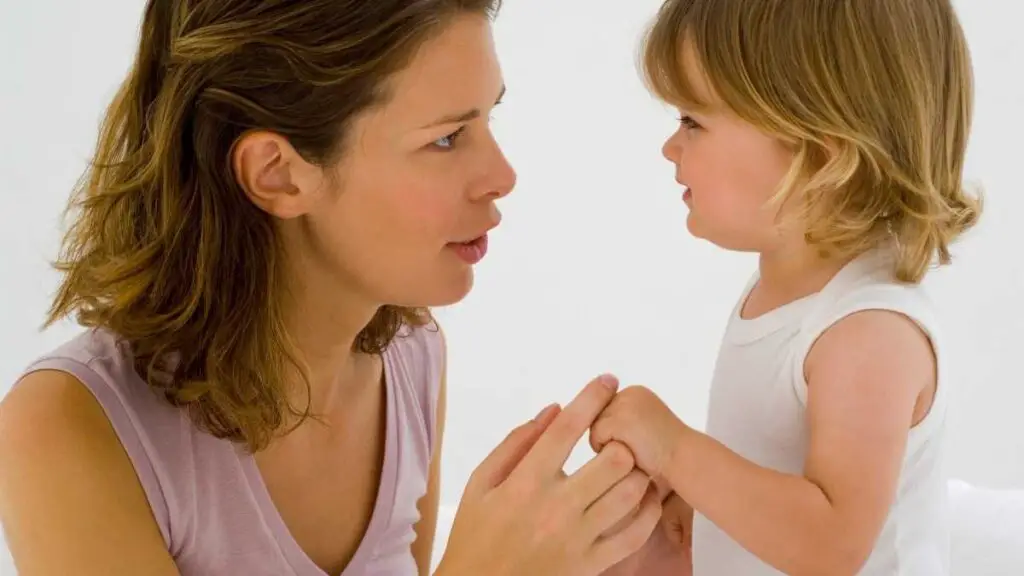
758	403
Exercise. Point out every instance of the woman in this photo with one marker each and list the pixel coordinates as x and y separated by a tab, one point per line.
280	190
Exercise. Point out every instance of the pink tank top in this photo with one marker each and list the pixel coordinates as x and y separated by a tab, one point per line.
207	495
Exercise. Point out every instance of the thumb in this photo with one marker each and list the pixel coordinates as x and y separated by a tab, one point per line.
507	455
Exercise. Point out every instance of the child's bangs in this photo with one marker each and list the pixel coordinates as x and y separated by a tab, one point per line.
672	67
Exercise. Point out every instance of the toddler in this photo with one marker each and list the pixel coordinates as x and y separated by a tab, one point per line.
828	137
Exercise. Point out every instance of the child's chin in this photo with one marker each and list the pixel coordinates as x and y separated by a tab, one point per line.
693	226
698	230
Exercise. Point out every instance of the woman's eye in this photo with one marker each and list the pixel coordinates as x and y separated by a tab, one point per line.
447	142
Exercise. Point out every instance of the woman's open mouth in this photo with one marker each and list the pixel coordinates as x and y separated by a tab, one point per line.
471	252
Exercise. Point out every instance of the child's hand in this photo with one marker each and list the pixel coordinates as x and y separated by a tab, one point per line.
677	522
668	552
639	419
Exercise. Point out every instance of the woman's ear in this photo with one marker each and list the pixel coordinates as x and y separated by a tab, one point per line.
274	176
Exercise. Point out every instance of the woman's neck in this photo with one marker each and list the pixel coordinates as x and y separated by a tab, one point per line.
323	323
324	312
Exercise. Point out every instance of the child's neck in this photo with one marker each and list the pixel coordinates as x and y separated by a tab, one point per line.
787	275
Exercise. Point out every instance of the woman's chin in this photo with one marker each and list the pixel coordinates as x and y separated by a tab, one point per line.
444	291
457	288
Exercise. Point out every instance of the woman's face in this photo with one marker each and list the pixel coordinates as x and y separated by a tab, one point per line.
403	216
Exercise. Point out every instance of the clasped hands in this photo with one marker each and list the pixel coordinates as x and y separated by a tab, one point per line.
521	514
641	422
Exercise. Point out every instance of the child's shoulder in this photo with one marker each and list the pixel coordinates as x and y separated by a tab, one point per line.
869	285
877	338
866	316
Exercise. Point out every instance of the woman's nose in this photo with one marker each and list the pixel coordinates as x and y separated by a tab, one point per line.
500	177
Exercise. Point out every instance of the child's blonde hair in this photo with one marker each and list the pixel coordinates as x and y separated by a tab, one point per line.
875	97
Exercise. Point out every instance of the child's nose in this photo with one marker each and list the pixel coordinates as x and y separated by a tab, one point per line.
672	150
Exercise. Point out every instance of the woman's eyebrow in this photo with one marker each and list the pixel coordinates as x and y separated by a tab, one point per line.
464	116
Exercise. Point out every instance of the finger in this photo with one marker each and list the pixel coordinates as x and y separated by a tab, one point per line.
612	511
603	472
538	425
507	455
547	416
682	512
614	548
664	490
600	432
551	451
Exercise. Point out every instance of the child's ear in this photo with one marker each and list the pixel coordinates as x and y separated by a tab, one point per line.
819	153
274	176
832	148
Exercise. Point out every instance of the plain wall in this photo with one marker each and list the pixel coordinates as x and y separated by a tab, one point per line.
592	269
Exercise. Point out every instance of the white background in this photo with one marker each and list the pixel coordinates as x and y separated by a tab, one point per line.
592	269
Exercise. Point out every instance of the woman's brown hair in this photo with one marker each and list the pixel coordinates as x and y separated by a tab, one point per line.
165	250
875	97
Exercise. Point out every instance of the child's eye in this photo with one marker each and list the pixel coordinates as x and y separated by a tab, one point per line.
447	142
688	122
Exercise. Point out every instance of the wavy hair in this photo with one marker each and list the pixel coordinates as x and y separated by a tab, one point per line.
165	250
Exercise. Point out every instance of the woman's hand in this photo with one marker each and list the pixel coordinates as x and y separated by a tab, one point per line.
521	515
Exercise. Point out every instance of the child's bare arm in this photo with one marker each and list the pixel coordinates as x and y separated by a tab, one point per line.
865	375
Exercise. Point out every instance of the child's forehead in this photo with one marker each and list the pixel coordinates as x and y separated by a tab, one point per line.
694	91
677	65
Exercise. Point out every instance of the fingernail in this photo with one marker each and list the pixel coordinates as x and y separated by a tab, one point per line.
545	412
610	381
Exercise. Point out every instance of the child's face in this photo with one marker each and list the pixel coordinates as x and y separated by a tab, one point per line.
730	170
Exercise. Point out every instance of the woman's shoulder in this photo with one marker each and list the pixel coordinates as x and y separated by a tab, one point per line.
61	457
421	352
50	407
422	348
102	364
416	361
87	392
